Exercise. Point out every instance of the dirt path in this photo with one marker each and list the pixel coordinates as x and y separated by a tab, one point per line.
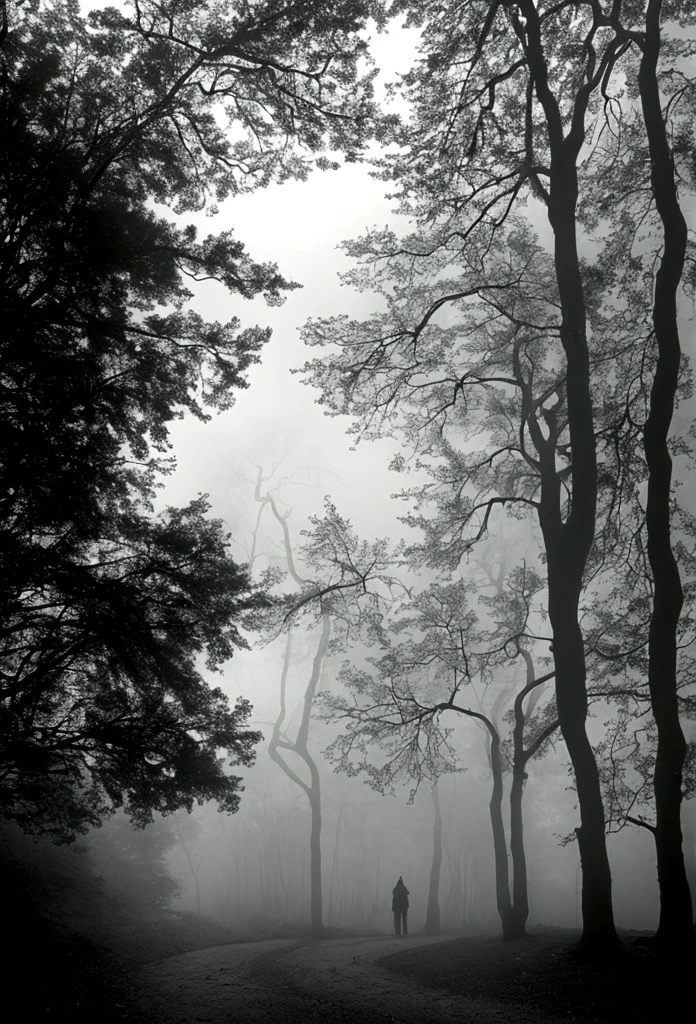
285	981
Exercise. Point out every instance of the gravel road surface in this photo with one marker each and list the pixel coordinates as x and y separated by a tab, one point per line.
289	981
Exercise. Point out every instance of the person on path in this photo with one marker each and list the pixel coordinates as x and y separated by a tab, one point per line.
400	907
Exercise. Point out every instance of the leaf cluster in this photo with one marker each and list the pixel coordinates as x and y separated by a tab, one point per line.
107	609
104	703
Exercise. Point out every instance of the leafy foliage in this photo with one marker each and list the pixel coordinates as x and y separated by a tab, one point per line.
437	656
522	375
104	702
107	610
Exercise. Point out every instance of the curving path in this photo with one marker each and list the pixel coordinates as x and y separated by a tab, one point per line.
288	981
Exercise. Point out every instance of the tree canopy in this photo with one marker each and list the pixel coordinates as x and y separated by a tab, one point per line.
110	125
534	307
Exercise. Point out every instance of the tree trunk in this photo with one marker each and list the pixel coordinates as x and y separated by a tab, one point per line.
571	699
520	756
432	916
315	883
378	861
299	747
520	900
313	789
281	876
568	540
470	881
454	901
333	878
675	923
568	545
495	807
502	877
689	846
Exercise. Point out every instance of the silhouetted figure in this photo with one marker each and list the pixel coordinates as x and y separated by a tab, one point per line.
400	907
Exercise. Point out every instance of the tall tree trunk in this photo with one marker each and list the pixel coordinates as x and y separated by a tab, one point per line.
520	899
571	699
377	865
689	846
568	540
299	747
520	757
568	536
495	807
454	901
314	790
333	877
315	881
675	923
470	882
281	876
520	895
567	546
432	916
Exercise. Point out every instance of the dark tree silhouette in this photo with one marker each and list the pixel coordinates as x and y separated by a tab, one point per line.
676	911
105	608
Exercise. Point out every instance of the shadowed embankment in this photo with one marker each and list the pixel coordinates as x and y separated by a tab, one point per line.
637	984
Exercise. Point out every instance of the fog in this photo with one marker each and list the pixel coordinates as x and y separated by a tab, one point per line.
251	871
324	829
349	537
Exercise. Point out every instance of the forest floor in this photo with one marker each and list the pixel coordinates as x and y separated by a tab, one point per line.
382	980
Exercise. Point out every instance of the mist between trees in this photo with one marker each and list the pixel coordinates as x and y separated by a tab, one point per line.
497	701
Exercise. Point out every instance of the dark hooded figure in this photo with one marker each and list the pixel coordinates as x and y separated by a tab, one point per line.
400	907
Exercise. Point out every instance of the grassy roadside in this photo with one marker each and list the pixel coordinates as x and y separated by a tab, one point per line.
638	984
84	979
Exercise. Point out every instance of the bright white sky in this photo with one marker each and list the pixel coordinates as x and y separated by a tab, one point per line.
299	225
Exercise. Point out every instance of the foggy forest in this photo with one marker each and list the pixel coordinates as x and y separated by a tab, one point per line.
347	668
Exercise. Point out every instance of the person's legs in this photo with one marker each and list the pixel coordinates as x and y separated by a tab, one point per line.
404	921
397	922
